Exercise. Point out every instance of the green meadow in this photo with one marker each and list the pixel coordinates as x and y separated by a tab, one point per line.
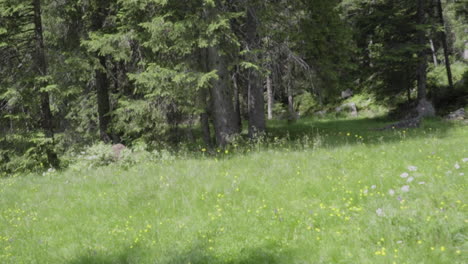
333	191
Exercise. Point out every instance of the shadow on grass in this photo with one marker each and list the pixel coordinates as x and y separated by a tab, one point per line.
334	133
124	257
268	254
197	254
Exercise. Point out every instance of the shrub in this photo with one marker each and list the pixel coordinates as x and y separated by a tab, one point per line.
100	154
305	104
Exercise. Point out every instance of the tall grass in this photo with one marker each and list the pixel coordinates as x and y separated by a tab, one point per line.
317	192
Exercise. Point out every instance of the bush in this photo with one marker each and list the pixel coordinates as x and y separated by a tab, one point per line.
305	104
280	111
101	154
24	153
445	99
367	105
437	76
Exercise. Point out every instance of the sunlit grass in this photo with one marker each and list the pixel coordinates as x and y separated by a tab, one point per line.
335	192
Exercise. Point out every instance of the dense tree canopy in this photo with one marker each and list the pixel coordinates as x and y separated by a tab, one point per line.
76	72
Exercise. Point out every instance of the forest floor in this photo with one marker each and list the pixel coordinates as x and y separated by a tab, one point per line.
320	192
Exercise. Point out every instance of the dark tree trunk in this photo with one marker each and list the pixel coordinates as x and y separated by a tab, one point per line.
102	89
256	104
102	79
443	38
222	104
422	55
237	105
408	94
205	126
205	118
41	70
203	99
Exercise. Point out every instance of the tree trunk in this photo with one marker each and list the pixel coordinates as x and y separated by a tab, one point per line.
205	126
41	70
237	105
443	37
465	52
434	55
408	94
101	74
221	96
269	85
205	118
422	55
292	113
203	100
256	104
102	88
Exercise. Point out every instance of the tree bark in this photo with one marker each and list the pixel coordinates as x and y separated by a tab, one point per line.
443	38
205	126
269	85
256	104
465	52
221	96
101	76
422	55
408	94
292	113
41	70
237	106
102	89
434	55
203	102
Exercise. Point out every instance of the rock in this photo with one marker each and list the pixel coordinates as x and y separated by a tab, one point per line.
117	150
456	115
425	109
346	94
408	123
414	117
321	113
349	106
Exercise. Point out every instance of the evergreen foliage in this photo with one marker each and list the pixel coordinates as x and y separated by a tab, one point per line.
73	73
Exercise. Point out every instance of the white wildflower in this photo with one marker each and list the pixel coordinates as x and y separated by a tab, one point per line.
404	175
462	174
93	157
373	187
405	188
410	179
412	168
457	166
421	183
391	192
465	160
380	212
